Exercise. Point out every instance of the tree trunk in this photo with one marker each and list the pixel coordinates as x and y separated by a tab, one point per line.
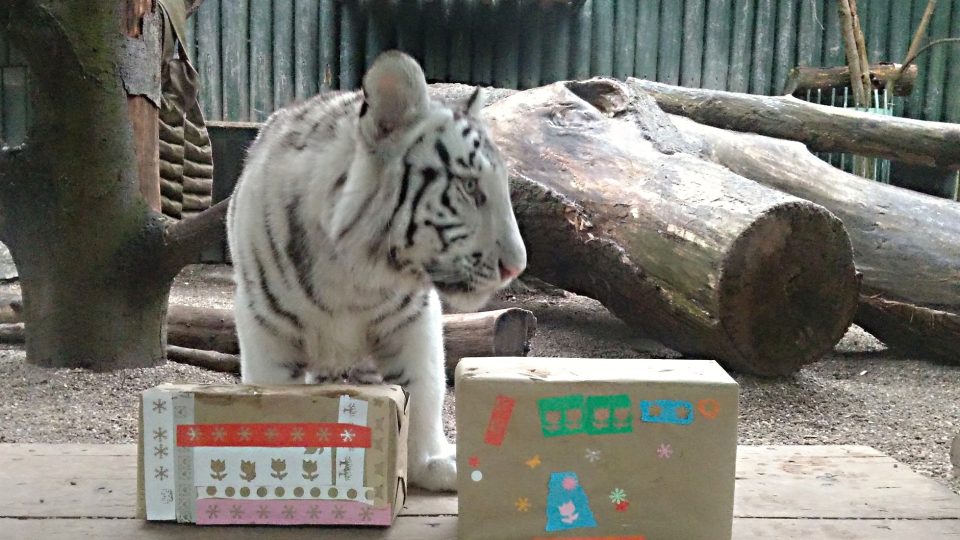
623	210
83	239
503	332
906	244
820	127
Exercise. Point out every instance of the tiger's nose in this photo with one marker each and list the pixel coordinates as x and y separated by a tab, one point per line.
508	272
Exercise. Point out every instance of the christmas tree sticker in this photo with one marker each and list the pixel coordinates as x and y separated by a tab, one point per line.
567	504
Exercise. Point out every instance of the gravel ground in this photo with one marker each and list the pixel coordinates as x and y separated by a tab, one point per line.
861	394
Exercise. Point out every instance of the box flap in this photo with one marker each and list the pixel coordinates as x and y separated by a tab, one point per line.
591	369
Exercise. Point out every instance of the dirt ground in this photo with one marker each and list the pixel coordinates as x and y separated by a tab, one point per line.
861	394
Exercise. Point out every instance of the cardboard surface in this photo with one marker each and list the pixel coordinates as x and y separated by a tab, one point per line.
588	448
276	455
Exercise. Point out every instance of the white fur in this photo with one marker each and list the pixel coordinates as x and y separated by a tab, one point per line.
367	302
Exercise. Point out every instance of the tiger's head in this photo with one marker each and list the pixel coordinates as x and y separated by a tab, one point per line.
451	222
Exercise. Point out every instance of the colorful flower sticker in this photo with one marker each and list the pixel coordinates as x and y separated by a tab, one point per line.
709	408
522	504
474	461
622	506
592	456
618	496
534	462
664	451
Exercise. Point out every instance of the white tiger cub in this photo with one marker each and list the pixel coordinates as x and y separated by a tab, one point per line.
353	211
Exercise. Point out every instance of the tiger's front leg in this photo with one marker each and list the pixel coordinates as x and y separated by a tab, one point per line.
412	356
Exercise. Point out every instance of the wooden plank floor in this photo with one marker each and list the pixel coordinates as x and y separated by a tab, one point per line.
785	492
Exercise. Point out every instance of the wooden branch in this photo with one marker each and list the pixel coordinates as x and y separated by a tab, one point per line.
184	240
930	45
915	330
212	360
12	333
504	332
848	31
801	79
914	49
820	127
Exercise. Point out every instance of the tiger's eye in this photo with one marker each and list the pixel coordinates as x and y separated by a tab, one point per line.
470	184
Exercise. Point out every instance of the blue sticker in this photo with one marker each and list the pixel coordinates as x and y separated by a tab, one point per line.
567	504
666	411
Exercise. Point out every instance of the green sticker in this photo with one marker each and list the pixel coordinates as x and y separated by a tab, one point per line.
561	415
609	414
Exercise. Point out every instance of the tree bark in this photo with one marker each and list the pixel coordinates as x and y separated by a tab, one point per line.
906	244
83	239
503	332
623	210
820	127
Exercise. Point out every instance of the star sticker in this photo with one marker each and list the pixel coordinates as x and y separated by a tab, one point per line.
236	512
474	461
366	514
159	406
534	462
160	451
159	434
347	435
314	512
522	504
288	511
338	512
213	512
263	512
296	434
161	473
592	456
664	451
219	434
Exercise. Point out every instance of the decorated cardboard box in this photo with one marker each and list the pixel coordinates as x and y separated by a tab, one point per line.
273	455
599	449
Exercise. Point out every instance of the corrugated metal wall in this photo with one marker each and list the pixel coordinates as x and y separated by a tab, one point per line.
257	55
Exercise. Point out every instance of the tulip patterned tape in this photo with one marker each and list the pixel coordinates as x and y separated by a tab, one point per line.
600	415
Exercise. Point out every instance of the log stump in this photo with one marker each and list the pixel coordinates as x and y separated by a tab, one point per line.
615	204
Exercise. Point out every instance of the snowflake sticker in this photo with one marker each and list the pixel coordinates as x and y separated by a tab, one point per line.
664	451
159	406
161	473
592	456
522	504
347	435
618	496
213	512
159	434
366	514
236	512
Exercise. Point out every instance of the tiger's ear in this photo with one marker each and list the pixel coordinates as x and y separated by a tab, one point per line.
394	96
475	103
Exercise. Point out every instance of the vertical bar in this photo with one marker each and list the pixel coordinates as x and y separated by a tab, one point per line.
351	45
3	65
14	104
328	67
716	50
876	20
208	59
459	34
531	45
833	54
283	56
306	76
410	29
601	59
483	36
381	30
581	34
741	47
763	40
506	72
190	39
691	60
261	60
671	45
937	64
952	101
900	31
556	49
624	38
810	38
786	46
435	40
234	16
648	38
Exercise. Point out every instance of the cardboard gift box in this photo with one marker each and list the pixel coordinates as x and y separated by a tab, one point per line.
600	449
272	455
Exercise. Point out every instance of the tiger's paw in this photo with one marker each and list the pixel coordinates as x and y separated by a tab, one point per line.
436	473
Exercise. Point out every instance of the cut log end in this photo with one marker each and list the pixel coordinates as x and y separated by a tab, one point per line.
788	289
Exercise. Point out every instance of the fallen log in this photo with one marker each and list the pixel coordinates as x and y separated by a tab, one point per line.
906	244
207	337
820	127
802	78
622	209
